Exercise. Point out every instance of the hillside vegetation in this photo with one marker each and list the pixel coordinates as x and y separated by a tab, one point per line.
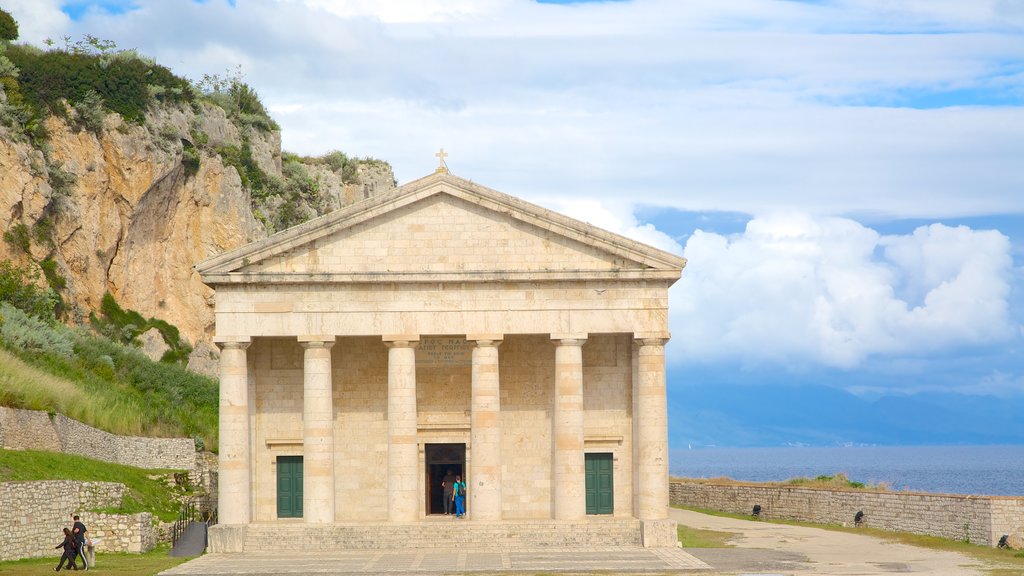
147	489
45	365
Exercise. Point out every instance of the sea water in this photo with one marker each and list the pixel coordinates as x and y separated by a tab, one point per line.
988	470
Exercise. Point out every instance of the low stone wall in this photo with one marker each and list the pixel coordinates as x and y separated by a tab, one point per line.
37	430
979	519
33	514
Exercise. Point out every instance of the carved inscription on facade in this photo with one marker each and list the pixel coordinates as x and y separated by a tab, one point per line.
440	352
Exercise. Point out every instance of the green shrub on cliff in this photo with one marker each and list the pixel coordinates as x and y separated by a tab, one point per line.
19	287
91	70
125	326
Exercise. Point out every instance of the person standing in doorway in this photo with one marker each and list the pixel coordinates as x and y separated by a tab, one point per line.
70	551
79	531
459	496
448	483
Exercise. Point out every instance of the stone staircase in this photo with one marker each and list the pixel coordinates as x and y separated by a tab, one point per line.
446	533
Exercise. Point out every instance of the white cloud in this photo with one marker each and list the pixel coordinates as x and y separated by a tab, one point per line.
614	217
794	289
38	20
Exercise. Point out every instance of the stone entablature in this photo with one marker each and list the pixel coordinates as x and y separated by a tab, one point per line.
978	519
556	330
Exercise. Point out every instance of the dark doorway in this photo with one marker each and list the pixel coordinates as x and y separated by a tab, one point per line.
440	460
289	486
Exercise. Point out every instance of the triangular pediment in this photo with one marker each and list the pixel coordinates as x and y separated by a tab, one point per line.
439	228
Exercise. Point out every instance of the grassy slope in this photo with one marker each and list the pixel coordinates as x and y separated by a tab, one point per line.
147	490
100	397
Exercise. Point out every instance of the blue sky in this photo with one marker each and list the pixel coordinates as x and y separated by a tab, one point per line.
844	176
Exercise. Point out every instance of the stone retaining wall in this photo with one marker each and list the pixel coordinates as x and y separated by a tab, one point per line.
978	519
37	430
33	514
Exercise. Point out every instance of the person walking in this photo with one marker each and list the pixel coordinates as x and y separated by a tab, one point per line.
79	531
70	551
459	496
448	483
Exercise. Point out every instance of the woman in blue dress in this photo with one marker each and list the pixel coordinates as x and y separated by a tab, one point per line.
459	495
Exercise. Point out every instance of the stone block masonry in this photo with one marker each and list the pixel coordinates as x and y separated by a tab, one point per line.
33	514
37	430
978	519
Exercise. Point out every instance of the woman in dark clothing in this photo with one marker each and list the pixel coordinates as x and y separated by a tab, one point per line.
70	551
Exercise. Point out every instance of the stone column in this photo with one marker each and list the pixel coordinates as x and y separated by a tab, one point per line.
652	431
485	431
317	430
635	418
234	493
568	482
403	473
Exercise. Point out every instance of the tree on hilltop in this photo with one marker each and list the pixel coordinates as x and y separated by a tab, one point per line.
8	27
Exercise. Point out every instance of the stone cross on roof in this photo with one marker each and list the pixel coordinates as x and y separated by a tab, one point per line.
442	166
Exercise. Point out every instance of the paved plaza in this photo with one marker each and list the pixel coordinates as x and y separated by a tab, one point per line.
441	561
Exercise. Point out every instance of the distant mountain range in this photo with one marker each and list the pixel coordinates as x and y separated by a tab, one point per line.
773	415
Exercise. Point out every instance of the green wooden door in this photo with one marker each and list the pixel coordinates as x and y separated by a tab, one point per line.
600	490
289	486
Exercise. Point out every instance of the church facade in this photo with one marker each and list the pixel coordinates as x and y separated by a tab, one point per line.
442	328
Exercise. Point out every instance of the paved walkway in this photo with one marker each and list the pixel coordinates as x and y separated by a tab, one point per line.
759	548
434	562
764	547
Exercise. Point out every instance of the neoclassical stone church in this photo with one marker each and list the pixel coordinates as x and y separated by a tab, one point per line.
442	327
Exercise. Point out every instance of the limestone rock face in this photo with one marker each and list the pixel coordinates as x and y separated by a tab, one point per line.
153	345
119	212
133	223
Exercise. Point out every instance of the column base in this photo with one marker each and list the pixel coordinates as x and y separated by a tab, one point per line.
226	538
659	533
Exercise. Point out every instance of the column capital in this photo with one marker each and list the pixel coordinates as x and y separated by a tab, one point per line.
485	343
569	339
640	342
401	343
485	337
232	342
314	341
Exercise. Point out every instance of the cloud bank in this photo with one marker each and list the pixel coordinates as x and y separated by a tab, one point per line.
793	289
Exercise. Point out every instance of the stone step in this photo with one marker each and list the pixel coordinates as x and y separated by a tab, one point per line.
444	534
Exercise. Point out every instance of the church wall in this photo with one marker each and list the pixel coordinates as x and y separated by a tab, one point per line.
277	401
607	404
360	367
526	368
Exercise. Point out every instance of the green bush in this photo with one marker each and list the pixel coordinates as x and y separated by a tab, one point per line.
8	27
122	80
89	112
18	236
21	332
53	278
190	159
341	164
19	288
125	326
61	181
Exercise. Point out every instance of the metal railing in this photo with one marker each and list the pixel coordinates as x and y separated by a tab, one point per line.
195	509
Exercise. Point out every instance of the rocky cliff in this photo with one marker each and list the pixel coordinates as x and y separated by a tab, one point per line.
129	209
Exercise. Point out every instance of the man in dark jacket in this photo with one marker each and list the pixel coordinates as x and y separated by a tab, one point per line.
79	531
